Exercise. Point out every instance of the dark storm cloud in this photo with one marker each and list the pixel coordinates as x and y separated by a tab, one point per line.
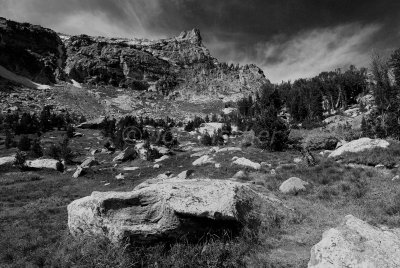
287	38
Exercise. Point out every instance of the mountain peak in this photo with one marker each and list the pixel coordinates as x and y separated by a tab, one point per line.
191	35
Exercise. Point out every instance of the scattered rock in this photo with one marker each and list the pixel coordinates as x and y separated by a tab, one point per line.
298	160
130	168
247	163
156	166
265	165
78	172
340	143
45	164
7	160
288	166
248	138
272	172
210	127
293	185
217	165
321	142
201	153
167	209
89	162
94	151
162	158
380	166
359	146
229	149
92	124
355	243
161	149
326	153
185	174
127	154
396	178
228	110
86	164
78	134
241	175
204	160
120	176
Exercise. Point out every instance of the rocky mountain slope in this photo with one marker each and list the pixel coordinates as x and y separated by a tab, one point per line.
181	67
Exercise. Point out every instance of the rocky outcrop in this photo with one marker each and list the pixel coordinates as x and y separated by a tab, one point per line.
169	208
357	244
31	51
180	64
180	67
359	145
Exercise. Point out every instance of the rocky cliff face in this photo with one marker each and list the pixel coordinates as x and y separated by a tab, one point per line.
31	51
179	67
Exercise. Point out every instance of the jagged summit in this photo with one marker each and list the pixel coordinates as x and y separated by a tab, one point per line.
191	35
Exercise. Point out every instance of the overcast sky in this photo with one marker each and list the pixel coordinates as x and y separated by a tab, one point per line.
288	39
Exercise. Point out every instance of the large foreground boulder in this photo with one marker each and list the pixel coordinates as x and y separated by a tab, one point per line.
357	244
166	208
45	164
359	146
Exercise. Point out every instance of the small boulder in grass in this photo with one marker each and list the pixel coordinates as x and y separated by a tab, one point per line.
380	166
293	185
120	176
241	175
297	160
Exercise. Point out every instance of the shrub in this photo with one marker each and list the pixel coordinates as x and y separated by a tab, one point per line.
24	143
36	149
53	151
65	151
189	126
394	207
20	158
70	131
206	139
217	138
227	129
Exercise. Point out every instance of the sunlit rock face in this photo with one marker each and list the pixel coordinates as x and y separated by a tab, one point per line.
181	65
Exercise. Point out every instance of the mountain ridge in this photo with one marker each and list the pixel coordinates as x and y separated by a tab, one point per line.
180	67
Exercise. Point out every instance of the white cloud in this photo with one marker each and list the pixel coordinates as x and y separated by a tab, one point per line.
309	53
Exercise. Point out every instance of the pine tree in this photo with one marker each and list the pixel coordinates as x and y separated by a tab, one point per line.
9	140
36	149
24	143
